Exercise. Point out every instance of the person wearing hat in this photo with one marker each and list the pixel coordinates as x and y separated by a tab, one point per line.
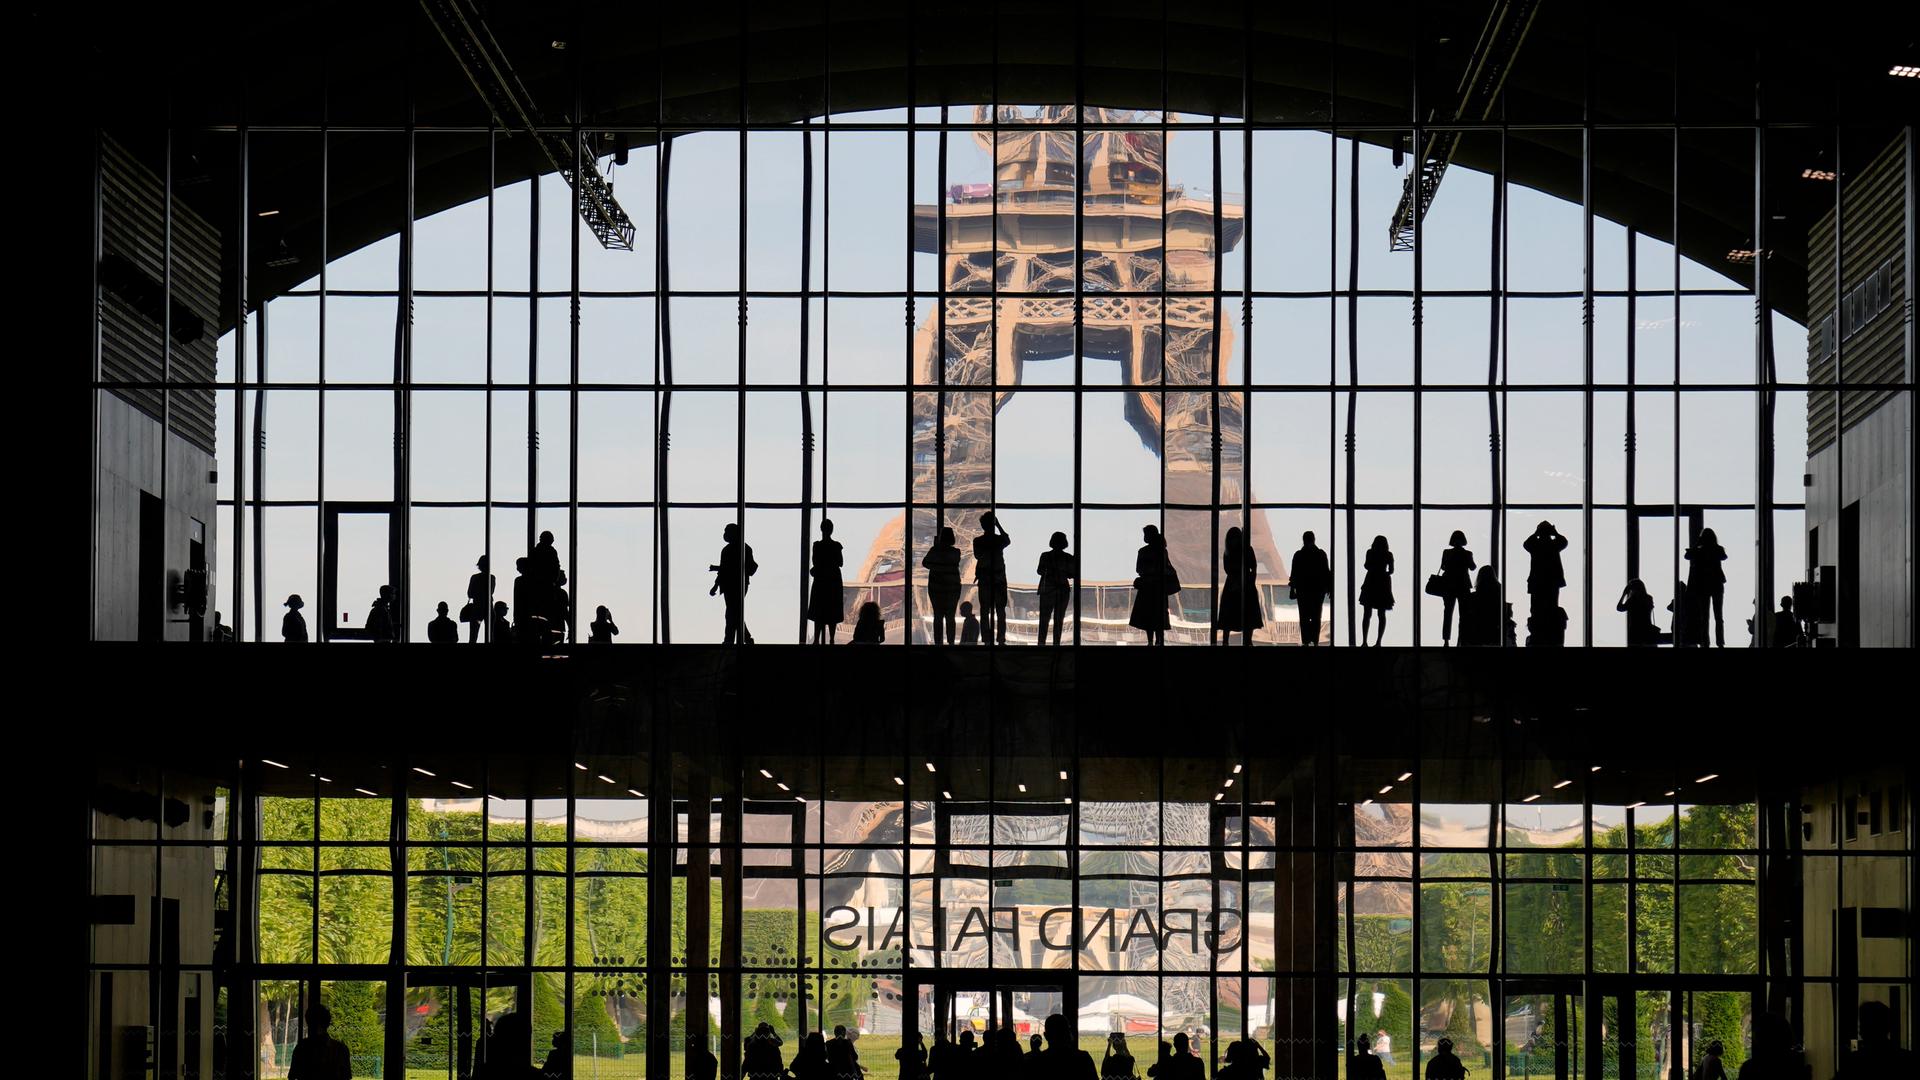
293	627
442	631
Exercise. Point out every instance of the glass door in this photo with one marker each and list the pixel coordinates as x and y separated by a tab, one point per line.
1650	1031
361	556
283	1010
1541	1029
450	1023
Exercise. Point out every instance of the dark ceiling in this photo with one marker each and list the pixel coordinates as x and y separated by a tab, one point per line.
622	64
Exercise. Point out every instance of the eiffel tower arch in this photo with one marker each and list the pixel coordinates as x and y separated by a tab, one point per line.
1139	235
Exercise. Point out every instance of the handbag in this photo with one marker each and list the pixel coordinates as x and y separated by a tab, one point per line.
1436	585
469	612
1172	579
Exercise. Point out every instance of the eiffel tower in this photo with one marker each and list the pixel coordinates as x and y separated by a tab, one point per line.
1139	235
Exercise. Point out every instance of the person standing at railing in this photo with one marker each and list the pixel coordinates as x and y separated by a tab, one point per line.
731	576
1057	571
1707	587
1154	581
826	600
990	577
1239	607
1308	580
1456	583
1545	578
942	563
1376	589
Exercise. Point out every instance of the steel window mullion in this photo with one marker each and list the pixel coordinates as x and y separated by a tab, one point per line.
1586	397
486	512
571	631
244	257
1079	318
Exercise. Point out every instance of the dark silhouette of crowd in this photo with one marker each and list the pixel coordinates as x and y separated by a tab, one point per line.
1472	597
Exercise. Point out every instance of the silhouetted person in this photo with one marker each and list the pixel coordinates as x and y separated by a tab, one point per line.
810	1061
501	632
1376	589
760	1055
1116	1063
1182	1065
843	1061
1057	570
1154	580
1480	612
293	625
543	562
602	630
508	1049
1445	1064
380	622
1456	584
1638	604
969	626
1773	1056
479	599
1786	626
1309	579
1364	1066
1239	607
1713	1066
1063	1059
826	600
1707	585
1552	632
1682	624
221	631
1878	1058
869	629
731	576
942	564
1545	579
560	610
1246	1060
967	1056
1005	1050
528	603
990	577
701	1064
320	1056
1163	1064
555	1066
912	1058
942	1064
442	631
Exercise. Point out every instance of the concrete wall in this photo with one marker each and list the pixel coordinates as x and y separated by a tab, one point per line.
129	447
131	865
1872	870
1875	453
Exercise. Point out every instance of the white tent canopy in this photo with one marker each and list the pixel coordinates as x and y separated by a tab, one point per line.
1113	1011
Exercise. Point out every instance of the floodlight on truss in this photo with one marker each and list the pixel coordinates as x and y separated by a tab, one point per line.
485	63
1479	89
